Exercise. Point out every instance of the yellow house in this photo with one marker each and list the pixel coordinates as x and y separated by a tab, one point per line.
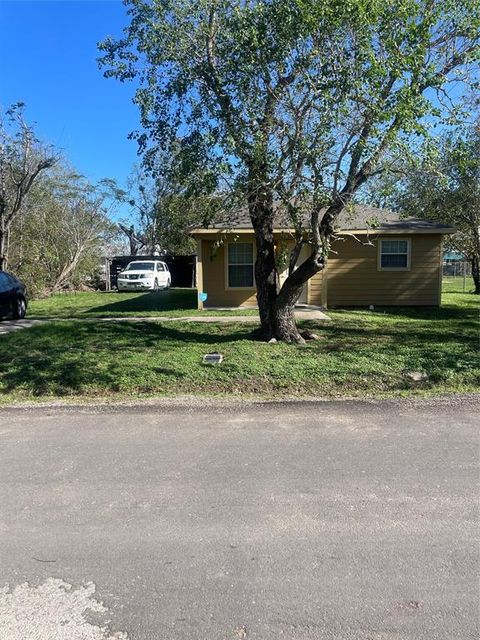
376	259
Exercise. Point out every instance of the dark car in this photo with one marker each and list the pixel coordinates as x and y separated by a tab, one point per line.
13	296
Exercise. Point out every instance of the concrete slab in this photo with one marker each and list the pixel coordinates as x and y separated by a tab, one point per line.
302	312
8	326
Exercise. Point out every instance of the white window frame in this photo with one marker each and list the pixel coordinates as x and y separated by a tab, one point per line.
227	265
380	253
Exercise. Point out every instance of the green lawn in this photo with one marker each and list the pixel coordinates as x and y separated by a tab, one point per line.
170	303
96	304
360	353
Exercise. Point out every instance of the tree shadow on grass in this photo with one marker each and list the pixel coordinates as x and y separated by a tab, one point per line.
166	334
447	312
70	358
180	300
447	346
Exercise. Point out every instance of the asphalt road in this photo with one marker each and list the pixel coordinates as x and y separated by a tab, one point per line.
334	520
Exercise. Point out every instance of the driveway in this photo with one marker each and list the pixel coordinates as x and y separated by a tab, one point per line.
318	521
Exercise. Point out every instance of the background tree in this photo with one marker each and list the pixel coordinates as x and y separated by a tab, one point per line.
161	211
446	187
290	104
22	160
59	240
139	227
135	239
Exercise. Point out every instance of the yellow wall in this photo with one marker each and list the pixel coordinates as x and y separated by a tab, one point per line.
315	292
214	279
352	277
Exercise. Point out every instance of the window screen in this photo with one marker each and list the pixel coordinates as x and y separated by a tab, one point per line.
394	254
240	264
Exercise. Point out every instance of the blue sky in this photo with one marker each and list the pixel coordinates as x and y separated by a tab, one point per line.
48	60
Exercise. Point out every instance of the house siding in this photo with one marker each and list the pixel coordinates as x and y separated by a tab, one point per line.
214	279
315	291
352	275
355	280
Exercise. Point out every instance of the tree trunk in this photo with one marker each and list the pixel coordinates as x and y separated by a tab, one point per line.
476	273
284	320
3	249
285	327
276	307
266	276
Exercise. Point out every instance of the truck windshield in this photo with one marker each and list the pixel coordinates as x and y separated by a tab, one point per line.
141	266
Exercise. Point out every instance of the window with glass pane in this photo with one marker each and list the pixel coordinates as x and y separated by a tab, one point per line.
394	254
240	264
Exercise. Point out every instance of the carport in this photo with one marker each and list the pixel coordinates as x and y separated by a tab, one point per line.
182	268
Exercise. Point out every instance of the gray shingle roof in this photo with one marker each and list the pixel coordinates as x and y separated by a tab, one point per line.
360	217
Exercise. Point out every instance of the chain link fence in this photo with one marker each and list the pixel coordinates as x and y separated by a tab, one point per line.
457	274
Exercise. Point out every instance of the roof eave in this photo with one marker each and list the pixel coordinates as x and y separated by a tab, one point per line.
376	231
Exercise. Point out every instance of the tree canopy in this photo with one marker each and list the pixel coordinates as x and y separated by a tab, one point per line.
159	213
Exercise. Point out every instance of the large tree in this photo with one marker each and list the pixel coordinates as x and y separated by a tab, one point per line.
22	160
290	103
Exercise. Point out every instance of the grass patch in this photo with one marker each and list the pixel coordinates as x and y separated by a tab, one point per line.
360	353
96	304
170	303
457	284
